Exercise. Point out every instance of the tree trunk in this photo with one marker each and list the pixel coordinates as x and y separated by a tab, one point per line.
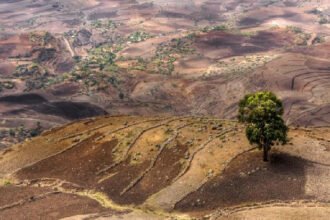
265	147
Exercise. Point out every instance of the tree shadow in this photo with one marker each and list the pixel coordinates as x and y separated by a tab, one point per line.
248	179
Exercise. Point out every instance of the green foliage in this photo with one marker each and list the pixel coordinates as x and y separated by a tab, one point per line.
101	56
191	36
77	59
319	39
168	53
295	29
121	95
34	75
138	36
42	38
269	2
21	132
324	20
141	64
7	183
12	132
6	85
47	37
104	24
215	28
248	33
262	111
97	70
36	131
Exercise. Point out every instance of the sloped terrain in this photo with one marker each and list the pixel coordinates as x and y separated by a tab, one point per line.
160	57
69	70
162	167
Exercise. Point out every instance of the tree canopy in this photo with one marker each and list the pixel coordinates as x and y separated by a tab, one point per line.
262	111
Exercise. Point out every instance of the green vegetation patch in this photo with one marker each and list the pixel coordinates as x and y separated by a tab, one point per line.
301	37
262	113
21	132
104	24
215	28
168	53
35	76
324	20
139	36
98	70
41	38
6	85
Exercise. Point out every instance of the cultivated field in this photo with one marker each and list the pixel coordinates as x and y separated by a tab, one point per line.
163	167
122	109
77	59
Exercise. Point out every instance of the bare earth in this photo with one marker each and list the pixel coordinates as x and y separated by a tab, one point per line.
164	167
192	58
70	72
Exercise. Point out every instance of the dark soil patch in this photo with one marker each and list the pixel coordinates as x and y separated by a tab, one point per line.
65	66
167	167
70	110
6	50
5	12
66	89
259	17
240	44
10	194
46	54
249	21
147	5
268	40
25	99
54	206
34	5
100	15
248	179
78	164
10	1
220	39
73	22
124	174
172	14
83	38
290	4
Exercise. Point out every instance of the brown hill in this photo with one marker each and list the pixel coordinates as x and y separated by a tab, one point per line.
162	167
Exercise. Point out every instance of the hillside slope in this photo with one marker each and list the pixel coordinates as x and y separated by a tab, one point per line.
163	167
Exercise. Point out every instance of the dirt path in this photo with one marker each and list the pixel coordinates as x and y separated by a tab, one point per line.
68	46
311	39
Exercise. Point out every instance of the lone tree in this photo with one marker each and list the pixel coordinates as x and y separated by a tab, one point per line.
262	111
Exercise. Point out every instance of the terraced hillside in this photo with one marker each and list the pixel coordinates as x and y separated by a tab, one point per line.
163	168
